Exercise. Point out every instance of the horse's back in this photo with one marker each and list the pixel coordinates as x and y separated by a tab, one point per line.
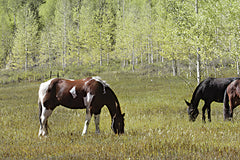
213	88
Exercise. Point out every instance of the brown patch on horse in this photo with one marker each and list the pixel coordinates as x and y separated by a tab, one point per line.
233	92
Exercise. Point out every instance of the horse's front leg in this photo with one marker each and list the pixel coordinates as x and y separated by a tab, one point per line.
203	113
87	121
209	113
97	120
87	101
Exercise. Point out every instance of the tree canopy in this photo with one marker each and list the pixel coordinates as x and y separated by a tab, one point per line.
128	34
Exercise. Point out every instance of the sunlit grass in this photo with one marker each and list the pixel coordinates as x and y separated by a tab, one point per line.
156	125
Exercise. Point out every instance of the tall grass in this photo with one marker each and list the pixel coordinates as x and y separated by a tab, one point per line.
156	124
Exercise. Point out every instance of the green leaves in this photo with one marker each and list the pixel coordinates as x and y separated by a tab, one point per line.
24	49
63	33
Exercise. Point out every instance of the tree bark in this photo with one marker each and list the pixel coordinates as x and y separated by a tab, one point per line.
198	49
174	67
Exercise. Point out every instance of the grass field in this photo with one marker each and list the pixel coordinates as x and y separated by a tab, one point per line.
156	124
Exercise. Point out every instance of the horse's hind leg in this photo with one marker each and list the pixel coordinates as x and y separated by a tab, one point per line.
97	120
226	107
43	117
209	113
231	110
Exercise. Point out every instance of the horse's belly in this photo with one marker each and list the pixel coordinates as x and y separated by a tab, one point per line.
74	104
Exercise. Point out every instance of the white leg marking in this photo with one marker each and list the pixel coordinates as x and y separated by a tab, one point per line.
87	103
73	92
97	120
88	100
86	124
45	114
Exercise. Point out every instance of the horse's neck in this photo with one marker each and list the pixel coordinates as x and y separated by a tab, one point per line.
113	104
196	98
114	108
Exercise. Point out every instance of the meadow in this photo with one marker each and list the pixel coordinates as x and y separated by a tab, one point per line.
156	124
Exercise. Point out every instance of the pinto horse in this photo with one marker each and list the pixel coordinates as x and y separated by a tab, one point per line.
231	97
209	90
90	93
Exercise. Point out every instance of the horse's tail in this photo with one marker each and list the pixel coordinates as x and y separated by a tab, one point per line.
40	112
226	108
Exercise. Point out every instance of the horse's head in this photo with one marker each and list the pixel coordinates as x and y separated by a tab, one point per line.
118	123
192	111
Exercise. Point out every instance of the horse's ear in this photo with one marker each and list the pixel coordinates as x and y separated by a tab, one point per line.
187	102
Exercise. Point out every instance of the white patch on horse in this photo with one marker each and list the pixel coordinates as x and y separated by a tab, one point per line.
87	82
88	99
101	81
73	92
43	90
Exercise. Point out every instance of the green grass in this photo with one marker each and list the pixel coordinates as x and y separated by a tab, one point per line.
156	125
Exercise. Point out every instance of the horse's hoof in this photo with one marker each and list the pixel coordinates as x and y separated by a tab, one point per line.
41	137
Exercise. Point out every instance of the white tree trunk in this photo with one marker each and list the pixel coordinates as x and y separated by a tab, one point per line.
198	67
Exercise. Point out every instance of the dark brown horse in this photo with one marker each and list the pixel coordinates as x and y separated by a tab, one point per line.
209	90
232	96
90	93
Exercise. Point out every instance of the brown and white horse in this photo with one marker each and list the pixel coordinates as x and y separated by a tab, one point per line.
90	93
231	96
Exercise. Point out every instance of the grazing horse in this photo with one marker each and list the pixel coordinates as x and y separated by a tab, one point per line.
231	97
90	93
209	90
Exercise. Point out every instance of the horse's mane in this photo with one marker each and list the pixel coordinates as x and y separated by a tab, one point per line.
99	79
114	95
197	91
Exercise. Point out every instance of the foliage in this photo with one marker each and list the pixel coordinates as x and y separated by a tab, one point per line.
24	50
135	33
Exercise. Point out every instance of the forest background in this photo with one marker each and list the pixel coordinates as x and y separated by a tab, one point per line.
197	38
